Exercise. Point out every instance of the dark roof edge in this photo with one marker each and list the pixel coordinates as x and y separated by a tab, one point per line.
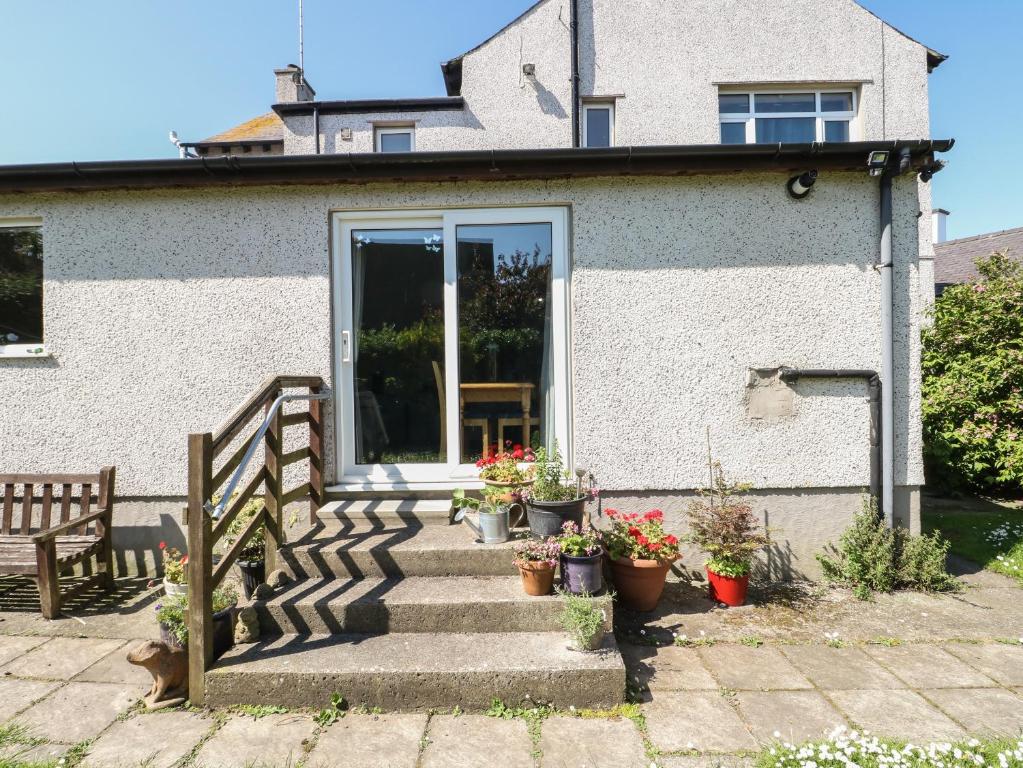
675	160
237	143
432	104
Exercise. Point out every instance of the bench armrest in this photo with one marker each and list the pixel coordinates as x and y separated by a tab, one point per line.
62	528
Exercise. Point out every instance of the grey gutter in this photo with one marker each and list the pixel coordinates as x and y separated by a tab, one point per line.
676	160
433	104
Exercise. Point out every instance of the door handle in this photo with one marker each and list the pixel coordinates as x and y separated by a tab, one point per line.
346	346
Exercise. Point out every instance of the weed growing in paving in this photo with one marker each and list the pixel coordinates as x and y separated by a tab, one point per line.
888	642
751	640
845	748
684	641
257	711
329	715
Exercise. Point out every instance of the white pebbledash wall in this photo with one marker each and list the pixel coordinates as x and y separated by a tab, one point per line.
163	309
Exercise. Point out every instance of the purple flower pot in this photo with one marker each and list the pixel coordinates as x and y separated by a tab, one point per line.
583	574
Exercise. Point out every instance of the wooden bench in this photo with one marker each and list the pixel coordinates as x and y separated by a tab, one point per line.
44	544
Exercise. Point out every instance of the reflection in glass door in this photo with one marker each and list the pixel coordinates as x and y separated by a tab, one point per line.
397	346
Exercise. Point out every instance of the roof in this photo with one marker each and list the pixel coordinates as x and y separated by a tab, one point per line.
954	259
268	128
503	164
361	106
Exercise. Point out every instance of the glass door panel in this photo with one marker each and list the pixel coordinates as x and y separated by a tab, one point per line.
506	355
397	346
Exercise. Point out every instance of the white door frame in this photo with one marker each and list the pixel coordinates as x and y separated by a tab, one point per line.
452	472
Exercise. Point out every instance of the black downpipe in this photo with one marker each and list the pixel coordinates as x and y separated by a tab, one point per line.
575	73
316	127
792	375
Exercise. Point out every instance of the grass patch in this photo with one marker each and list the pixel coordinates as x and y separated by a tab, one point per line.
986	533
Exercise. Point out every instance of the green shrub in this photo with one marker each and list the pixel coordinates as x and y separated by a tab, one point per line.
973	381
871	557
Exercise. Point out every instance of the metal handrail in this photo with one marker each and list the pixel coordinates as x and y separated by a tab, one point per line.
217	510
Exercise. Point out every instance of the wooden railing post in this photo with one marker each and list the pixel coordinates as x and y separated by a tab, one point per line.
274	483
200	565
315	455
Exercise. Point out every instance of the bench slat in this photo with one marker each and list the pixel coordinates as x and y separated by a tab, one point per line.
44	513
26	509
8	507
65	503
86	503
19	556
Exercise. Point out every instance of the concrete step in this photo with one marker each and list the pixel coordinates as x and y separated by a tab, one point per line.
345	550
413	605
417	672
388	511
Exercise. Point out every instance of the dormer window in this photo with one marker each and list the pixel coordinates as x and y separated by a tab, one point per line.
770	117
393	138
599	124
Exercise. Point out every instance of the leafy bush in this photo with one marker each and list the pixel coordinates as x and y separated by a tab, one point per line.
725	527
584	618
973	381
871	557
552	479
173	611
255	547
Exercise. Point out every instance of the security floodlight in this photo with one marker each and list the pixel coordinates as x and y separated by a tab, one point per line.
799	186
529	70
877	162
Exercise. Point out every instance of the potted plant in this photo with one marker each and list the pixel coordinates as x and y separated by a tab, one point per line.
252	560
537	560
641	554
504	477
582	559
553	499
175	574
726	528
586	620
493	516
172	615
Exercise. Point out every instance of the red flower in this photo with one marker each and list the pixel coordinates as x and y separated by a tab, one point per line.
184	559
670	540
653	514
163	545
612	513
655	547
642	540
517	454
634	532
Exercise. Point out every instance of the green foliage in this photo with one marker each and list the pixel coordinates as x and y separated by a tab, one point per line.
255	548
533	712
172	612
551	477
725	527
259	711
751	640
973	381
584	617
871	557
333	712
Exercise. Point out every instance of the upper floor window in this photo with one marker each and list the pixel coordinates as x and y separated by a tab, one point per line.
599	124
783	116
396	139
21	288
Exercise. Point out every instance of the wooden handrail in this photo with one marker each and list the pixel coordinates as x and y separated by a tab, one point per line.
204	484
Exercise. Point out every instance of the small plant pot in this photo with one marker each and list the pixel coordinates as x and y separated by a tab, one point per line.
640	583
583	574
547	517
173	589
253	574
494	526
223	633
537	578
727	589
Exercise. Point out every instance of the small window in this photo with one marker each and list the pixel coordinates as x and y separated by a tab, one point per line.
798	117
398	139
21	289
599	124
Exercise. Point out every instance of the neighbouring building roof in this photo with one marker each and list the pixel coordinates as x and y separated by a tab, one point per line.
954	259
265	129
360	168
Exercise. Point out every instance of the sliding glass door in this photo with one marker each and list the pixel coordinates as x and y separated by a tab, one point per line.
452	331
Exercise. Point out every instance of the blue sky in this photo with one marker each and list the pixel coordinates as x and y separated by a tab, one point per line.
107	79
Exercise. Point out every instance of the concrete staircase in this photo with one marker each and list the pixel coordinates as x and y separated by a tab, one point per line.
393	607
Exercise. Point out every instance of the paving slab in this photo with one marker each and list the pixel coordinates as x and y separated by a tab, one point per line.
12	646
369	741
837	669
700	720
794	715
574	742
16	695
156	740
114	668
1001	662
78	711
982	711
751	669
60	659
705	761
928	666
667	668
897	714
274	740
22	754
470	741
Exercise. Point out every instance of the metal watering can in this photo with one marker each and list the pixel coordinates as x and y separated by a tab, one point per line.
494	527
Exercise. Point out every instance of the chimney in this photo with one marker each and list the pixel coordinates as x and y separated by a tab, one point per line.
939	225
292	86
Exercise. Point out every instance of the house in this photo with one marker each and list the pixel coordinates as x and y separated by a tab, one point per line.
627	227
955	260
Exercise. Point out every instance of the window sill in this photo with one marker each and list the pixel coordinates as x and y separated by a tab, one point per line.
23	351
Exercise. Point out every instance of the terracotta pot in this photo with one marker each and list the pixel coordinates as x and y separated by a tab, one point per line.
537	578
727	589
639	583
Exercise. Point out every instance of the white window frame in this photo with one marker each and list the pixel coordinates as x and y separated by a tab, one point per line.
599	104
392	130
750	117
452	473
22	351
